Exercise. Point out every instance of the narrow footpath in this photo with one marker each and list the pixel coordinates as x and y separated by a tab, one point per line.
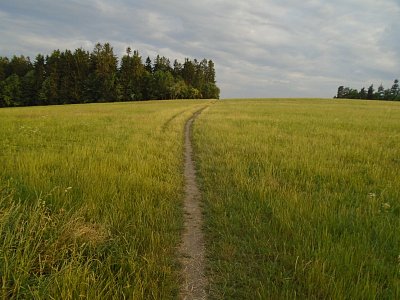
192	248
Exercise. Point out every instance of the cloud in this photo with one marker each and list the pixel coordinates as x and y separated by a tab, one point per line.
261	48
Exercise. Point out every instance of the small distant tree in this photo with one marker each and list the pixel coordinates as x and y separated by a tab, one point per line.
370	93
395	90
380	94
363	93
340	92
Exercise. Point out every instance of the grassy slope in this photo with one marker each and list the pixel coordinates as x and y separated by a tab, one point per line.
91	199
302	198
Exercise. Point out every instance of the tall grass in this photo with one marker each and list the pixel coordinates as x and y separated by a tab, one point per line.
302	198
90	202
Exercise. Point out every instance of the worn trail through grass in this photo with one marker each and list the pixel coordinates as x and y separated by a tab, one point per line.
192	248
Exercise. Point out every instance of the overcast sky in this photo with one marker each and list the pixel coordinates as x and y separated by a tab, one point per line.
269	48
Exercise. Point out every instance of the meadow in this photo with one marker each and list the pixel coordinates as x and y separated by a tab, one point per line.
91	200
302	198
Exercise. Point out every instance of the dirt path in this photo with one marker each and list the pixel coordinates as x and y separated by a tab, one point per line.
192	247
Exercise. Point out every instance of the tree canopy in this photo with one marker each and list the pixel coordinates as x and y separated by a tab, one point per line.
98	76
392	94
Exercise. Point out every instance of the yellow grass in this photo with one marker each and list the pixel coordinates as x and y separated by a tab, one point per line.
91	200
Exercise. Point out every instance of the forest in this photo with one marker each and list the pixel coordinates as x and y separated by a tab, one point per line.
98	76
392	94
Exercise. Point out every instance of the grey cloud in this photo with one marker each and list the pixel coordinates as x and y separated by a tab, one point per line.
260	48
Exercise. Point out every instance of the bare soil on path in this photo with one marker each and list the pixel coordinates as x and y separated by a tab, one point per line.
192	248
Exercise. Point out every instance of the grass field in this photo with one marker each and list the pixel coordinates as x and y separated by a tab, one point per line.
91	200
302	198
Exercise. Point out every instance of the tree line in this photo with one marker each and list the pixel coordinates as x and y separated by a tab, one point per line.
83	77
392	94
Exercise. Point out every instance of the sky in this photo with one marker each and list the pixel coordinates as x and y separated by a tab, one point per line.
269	48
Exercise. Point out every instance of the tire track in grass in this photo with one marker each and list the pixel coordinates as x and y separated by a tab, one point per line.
192	248
166	124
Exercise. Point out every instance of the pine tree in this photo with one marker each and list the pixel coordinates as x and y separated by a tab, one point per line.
81	71
20	65
177	71
340	91
188	72
148	65
370	93
28	92
66	77
363	94
40	75
50	88
380	94
104	79
4	66
395	90
126	77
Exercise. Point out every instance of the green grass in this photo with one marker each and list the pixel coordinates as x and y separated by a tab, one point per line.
302	198
91	200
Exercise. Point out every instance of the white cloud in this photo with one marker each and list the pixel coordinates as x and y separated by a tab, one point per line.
260	47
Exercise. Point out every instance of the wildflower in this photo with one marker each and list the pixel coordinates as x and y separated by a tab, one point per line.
371	195
385	206
67	189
